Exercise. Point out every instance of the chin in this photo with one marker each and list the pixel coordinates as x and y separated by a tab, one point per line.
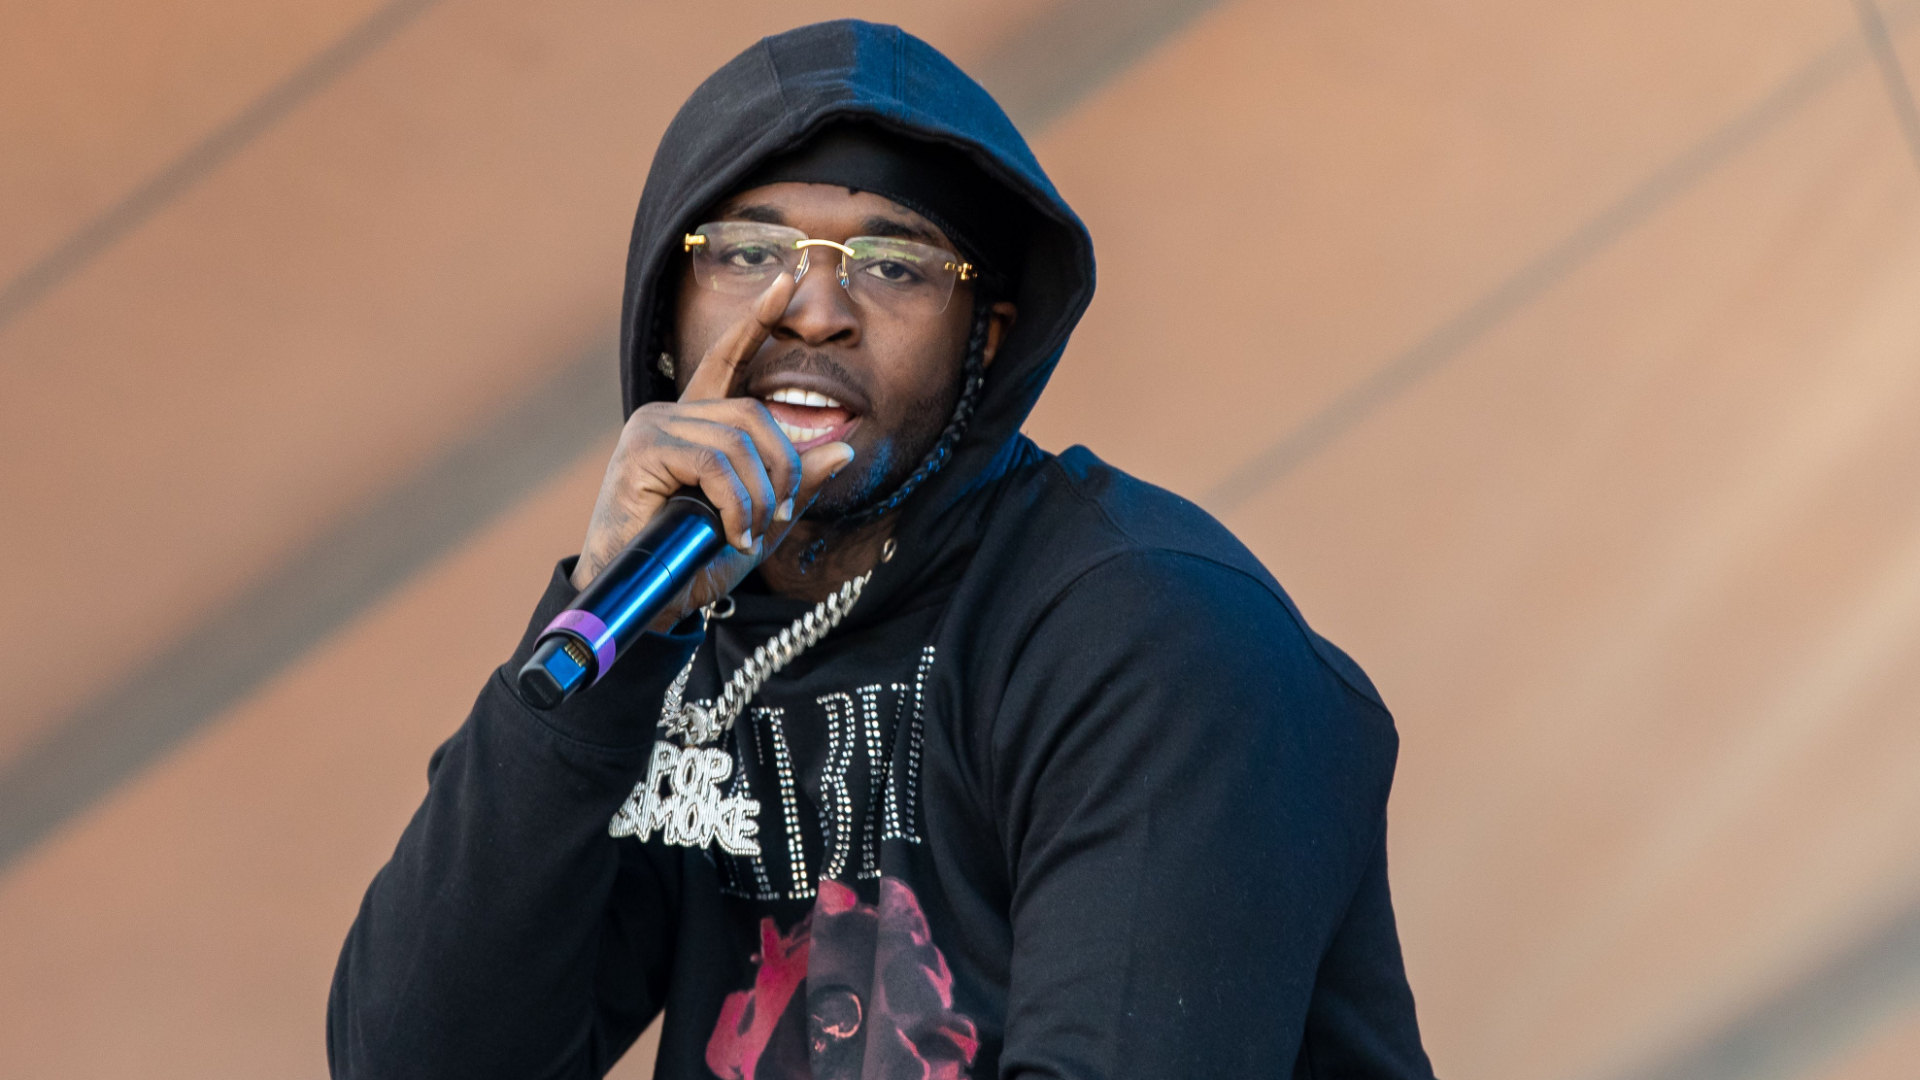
851	491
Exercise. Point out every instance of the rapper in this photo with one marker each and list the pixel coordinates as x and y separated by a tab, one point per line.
964	759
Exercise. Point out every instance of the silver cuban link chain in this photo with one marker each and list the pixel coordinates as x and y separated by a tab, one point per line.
680	797
698	723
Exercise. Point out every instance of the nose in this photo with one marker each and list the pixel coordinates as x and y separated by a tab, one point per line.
820	312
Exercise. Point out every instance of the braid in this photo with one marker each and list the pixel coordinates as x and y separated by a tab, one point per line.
975	374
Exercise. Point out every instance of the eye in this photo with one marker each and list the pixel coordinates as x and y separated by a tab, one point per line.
750	257
893	272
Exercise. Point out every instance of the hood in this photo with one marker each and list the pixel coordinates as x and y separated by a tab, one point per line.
776	94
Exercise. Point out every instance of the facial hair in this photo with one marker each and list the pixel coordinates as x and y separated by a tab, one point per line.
891	462
888	464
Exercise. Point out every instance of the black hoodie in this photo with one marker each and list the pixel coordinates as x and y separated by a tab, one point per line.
1073	792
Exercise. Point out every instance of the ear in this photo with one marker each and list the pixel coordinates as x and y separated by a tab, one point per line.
674	310
998	323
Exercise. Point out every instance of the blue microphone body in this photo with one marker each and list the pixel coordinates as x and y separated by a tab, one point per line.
611	613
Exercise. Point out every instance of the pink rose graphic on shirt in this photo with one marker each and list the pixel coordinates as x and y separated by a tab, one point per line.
853	992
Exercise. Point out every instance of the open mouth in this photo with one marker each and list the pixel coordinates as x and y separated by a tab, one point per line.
809	418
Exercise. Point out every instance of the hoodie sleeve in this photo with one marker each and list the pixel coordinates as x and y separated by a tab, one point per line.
509	935
1193	811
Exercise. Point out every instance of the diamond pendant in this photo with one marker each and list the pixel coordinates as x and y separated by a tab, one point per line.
680	799
694	725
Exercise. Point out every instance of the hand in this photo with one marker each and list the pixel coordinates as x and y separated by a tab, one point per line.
729	448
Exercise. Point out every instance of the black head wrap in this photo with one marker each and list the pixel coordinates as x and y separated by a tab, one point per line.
985	221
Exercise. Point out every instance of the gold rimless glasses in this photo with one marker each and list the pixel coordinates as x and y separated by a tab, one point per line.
885	273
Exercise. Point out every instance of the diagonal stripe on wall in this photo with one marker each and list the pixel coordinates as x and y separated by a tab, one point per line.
361	559
139	206
1812	1020
1873	24
1395	377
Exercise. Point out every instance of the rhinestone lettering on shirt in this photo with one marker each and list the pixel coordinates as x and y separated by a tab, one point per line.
869	785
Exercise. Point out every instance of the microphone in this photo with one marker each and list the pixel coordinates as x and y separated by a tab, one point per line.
610	614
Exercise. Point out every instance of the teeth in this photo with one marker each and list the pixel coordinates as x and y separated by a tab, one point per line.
797	435
796	396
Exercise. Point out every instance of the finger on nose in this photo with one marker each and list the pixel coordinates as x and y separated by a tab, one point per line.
773	302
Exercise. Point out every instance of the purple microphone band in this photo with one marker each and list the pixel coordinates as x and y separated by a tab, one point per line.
584	624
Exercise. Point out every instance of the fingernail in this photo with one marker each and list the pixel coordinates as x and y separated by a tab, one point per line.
745	542
845	461
783	512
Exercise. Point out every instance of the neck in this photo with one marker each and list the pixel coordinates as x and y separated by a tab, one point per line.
847	555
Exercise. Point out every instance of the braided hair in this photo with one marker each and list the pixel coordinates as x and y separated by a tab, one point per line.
974	375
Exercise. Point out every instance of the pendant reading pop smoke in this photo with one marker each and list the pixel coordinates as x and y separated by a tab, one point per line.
680	798
691	812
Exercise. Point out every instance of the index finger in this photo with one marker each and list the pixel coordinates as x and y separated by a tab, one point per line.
714	377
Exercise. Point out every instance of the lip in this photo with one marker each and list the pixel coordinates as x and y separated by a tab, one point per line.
852	402
849	397
838	433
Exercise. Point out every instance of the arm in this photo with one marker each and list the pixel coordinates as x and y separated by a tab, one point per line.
491	944
509	935
1360	1023
1192	804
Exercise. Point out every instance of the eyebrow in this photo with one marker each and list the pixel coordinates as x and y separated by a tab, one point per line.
886	226
765	215
876	225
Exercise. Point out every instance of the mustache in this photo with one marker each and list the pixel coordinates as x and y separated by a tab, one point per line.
803	360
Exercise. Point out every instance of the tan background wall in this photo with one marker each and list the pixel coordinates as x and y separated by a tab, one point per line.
1572	385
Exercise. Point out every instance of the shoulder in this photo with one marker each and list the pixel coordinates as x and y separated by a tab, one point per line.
1081	549
1143	653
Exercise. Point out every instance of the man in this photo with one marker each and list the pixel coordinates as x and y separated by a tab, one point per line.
1046	776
